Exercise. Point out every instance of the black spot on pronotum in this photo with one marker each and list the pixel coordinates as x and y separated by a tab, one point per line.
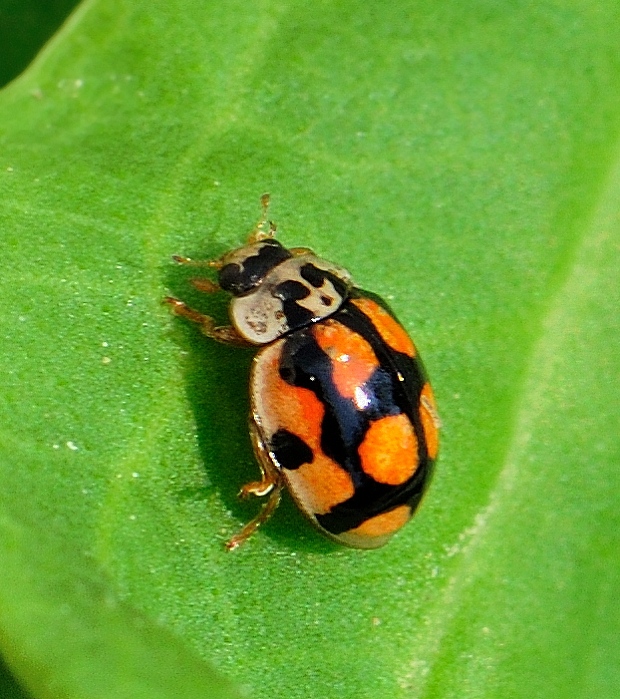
313	275
289	450
238	279
291	290
317	278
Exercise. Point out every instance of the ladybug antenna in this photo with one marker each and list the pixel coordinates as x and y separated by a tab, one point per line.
264	228
264	202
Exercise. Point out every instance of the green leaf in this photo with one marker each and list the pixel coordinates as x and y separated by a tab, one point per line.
69	635
461	159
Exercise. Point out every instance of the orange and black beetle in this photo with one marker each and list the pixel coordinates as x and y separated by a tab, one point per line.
342	412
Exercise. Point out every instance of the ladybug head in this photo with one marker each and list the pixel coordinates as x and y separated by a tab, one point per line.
243	269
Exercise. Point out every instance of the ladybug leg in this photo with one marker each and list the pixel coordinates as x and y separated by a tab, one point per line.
301	251
270	475
189	262
223	333
205	285
271	484
432	411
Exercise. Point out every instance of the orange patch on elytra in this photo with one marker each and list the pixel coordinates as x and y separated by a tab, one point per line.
430	420
389	451
392	333
320	485
385	523
352	357
316	486
282	406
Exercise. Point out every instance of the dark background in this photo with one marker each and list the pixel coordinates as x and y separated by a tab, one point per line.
25	26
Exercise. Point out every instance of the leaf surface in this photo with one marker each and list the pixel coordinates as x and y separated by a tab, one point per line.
462	161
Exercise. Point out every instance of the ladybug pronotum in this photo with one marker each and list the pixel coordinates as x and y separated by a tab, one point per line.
342	412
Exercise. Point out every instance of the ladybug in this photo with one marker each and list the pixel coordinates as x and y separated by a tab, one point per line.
342	412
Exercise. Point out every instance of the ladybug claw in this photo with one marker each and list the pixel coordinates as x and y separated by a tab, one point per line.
256	488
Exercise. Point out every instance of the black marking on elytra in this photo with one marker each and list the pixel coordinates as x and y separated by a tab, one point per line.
375	500
239	279
289	450
303	363
380	395
408	388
